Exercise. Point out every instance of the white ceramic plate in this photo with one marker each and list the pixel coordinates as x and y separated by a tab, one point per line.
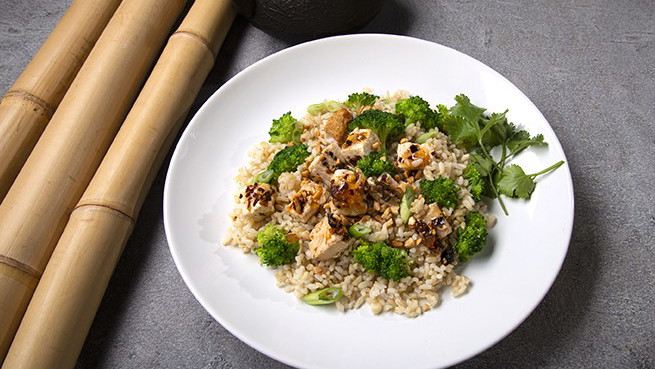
509	278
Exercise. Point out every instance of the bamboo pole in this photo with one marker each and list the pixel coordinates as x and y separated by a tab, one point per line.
37	207
58	318
30	103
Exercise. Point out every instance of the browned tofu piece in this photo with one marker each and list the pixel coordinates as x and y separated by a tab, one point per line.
259	199
337	125
307	201
348	189
324	164
412	156
384	188
433	227
438	221
327	239
359	143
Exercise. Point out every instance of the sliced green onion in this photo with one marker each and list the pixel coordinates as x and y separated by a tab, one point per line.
264	177
315	109
324	107
425	137
325	296
406	203
332	105
358	230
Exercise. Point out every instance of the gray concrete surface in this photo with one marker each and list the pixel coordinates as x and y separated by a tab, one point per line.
588	65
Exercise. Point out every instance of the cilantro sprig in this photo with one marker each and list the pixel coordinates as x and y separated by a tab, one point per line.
469	126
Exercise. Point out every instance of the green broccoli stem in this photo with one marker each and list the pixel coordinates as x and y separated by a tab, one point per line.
383	144
550	168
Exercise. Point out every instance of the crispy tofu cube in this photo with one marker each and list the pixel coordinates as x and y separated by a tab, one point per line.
327	238
433	228
337	125
359	143
412	156
259	199
348	189
307	201
324	164
437	220
384	188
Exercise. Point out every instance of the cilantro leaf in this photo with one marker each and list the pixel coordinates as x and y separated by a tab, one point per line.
521	140
480	133
465	109
461	131
499	129
483	164
515	183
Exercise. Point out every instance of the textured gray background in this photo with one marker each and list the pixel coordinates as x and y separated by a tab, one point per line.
588	65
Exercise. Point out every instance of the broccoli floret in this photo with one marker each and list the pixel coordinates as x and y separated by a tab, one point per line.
287	160
359	99
476	183
383	259
275	248
471	239
372	165
385	125
442	190
415	109
285	129
443	111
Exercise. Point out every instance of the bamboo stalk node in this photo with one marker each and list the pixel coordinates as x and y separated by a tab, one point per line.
13	263
107	207
199	38
24	95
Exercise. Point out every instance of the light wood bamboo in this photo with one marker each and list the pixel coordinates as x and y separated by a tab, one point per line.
30	103
57	320
37	207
